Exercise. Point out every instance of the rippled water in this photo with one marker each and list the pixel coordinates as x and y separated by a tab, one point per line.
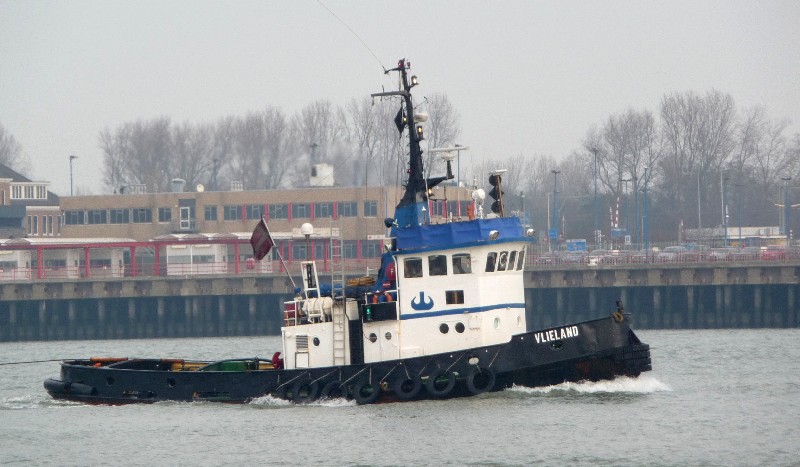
714	398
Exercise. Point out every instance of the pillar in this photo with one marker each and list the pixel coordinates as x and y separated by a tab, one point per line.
222	329
159	332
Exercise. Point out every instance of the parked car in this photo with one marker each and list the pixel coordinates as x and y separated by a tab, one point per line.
671	254
774	253
695	252
723	254
748	253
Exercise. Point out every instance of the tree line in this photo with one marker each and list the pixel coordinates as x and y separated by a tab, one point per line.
687	155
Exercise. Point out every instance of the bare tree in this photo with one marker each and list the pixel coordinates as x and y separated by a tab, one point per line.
139	153
442	128
11	154
264	150
193	149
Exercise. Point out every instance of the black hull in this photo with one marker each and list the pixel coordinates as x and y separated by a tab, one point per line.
593	350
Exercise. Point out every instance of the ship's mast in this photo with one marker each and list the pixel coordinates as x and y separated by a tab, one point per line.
410	211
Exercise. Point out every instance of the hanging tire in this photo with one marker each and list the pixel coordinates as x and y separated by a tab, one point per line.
283	392
440	383
333	390
407	388
305	391
480	380
365	392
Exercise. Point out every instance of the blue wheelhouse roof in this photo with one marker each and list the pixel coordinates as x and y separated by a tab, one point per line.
452	234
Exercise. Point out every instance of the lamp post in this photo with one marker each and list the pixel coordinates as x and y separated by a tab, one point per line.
644	217
596	212
626	180
699	216
555	203
739	209
636	209
724	183
71	158
787	209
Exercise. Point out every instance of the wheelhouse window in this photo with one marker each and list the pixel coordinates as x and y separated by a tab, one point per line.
512	260
491	258
521	261
501	265
462	263
437	265
412	267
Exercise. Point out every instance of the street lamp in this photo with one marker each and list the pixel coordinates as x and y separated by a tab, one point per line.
554	232
626	180
739	209
71	158
596	212
724	183
644	217
787	209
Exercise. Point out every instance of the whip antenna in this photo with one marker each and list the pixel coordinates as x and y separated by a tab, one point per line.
354	33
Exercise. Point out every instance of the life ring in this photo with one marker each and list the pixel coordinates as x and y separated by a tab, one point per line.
434	384
407	388
305	391
366	392
480	380
333	390
618	317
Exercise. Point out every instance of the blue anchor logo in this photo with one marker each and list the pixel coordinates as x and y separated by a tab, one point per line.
422	304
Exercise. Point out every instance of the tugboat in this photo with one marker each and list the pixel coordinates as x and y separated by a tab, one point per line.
445	318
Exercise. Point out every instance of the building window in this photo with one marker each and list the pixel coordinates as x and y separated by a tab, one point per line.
49	226
278	211
348	209
370	248
323	210
119	216
462	263
370	209
299	251
232	213
350	249
210	213
437	208
301	210
254	211
164	214
74	218
142	215
96	216
412	267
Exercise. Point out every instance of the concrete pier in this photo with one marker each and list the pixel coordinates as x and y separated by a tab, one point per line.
656	296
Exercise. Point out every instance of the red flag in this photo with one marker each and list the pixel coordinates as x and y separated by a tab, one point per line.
261	240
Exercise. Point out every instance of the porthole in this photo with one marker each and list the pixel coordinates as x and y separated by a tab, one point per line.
171	382
444	328
316	341
459	327
373	337
110	381
388	336
497	323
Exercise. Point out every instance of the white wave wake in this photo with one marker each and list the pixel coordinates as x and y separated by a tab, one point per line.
644	384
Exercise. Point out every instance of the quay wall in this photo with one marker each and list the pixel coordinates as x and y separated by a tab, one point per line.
657	297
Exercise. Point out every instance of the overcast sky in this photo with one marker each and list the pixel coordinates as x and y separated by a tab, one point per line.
527	77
